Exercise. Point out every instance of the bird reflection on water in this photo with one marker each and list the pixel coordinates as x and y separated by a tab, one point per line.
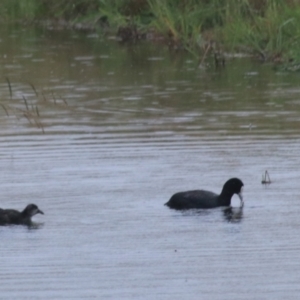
230	214
233	214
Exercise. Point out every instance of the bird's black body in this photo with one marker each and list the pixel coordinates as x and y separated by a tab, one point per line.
14	217
206	199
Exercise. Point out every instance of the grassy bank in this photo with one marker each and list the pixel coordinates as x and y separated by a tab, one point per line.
268	28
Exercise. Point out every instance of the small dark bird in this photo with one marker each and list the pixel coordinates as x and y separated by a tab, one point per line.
11	216
206	199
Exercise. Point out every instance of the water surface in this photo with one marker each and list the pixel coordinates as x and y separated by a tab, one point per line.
125	127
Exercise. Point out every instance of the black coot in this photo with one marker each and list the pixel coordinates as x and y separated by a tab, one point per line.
206	199
12	216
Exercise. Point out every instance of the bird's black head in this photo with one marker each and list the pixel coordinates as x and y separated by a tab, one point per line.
31	210
234	186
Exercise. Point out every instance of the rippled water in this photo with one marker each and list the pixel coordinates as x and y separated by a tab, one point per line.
125	127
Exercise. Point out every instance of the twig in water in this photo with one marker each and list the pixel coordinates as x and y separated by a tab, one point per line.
65	101
25	102
9	86
53	97
266	178
27	117
3	106
37	122
44	98
205	53
32	86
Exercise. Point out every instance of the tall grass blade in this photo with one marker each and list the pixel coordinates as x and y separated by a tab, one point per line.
32	86
26	104
9	86
4	108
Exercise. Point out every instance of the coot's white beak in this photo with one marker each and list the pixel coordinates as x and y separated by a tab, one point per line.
241	198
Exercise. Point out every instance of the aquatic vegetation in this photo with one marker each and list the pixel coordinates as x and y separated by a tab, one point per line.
269	29
31	111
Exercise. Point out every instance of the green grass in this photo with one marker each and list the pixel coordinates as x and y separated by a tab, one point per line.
270	28
275	32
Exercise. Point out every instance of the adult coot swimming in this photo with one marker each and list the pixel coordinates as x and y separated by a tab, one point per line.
206	199
11	216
